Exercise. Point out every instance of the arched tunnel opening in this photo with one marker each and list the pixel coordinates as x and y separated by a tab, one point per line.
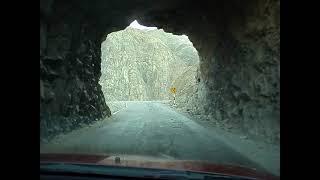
143	63
235	98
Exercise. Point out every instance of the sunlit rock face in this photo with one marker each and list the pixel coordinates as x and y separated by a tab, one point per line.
143	64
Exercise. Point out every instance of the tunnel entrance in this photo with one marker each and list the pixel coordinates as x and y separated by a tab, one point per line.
232	104
143	63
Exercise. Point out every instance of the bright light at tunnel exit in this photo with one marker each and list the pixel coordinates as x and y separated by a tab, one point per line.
136	25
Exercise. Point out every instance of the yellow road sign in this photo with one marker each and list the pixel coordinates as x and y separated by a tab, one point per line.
173	90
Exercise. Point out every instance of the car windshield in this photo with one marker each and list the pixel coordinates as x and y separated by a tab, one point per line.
176	81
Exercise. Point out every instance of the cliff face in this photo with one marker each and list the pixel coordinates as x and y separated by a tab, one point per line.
143	65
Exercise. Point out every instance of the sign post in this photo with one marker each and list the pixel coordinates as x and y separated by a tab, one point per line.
173	90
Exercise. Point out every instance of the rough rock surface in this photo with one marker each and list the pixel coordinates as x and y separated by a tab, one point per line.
69	71
145	64
241	75
239	48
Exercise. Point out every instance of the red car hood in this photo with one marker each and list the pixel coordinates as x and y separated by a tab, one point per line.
150	162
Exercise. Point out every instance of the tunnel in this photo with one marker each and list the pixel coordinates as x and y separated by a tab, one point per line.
238	42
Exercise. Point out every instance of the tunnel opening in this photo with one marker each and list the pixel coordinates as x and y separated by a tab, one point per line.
142	63
238	79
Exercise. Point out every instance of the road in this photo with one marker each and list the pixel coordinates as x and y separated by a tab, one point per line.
152	129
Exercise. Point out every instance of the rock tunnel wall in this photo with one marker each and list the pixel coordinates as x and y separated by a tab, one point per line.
238	43
242	75
239	47
69	70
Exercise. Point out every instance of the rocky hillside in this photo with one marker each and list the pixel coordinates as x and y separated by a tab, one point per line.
143	65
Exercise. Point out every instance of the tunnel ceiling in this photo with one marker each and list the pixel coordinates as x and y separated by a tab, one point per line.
177	16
